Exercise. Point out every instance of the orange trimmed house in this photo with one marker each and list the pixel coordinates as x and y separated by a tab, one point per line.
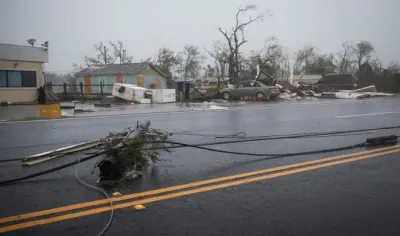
143	74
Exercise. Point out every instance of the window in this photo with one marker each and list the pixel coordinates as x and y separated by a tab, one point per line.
3	79
326	80
257	84
12	79
243	85
28	78
344	79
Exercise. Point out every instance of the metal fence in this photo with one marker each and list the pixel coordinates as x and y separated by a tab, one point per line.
80	89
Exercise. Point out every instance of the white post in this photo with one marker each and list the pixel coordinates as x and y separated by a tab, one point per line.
258	70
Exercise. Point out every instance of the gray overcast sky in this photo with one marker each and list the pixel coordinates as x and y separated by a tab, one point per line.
72	27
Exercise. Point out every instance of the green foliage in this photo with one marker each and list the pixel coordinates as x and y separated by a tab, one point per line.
166	60
139	152
323	64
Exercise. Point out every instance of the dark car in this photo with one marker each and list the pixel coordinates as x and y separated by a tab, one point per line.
335	82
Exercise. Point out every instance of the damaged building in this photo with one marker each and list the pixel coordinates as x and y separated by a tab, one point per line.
143	74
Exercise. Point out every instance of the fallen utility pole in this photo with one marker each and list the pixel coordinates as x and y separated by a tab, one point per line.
49	155
112	145
109	167
112	141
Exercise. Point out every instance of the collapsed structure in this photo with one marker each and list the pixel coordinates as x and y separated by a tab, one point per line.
340	86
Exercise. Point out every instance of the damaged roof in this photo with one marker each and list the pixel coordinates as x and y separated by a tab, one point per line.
117	69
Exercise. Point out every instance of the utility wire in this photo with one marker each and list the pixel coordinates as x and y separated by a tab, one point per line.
98	189
201	146
272	155
11	181
242	135
11	160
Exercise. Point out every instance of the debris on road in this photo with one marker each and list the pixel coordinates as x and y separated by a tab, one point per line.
139	207
371	88
366	92
116	194
49	155
206	106
126	153
302	90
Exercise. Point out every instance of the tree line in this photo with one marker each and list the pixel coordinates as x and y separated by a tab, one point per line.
229	60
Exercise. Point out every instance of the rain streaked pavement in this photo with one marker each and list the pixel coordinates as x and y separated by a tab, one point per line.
357	197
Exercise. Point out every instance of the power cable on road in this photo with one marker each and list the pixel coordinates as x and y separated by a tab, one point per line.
271	155
241	135
12	181
201	146
100	190
11	160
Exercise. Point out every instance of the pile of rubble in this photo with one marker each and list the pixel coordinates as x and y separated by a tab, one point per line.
366	92
301	90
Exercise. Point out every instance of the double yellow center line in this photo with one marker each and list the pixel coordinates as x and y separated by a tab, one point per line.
165	193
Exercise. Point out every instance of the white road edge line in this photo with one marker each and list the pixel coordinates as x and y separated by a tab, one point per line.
369	114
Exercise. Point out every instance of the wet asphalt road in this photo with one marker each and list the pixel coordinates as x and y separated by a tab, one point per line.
357	198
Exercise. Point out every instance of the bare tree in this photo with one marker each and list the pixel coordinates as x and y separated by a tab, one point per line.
209	71
105	55
236	38
75	69
269	58
304	57
393	68
309	61
165	60
286	67
346	62
190	61
377	66
323	64
220	54
363	52
120	52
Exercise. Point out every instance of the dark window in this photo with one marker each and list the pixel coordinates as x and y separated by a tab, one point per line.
28	78
3	79
252	84
257	84
342	79
243	85
13	78
326	80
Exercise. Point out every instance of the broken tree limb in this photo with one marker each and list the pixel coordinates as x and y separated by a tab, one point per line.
109	166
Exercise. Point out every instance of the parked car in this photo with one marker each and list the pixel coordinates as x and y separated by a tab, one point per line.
334	82
251	88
